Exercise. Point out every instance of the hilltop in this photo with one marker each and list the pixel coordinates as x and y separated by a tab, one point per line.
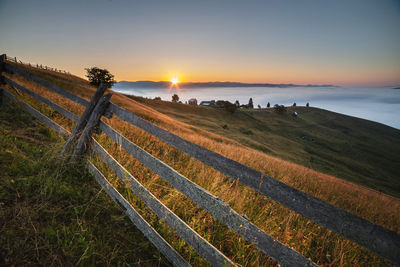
191	123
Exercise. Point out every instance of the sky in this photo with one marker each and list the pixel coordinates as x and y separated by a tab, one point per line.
347	43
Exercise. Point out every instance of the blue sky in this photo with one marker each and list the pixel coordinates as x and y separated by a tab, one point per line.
337	42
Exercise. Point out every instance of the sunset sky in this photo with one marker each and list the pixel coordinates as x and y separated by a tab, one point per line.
335	42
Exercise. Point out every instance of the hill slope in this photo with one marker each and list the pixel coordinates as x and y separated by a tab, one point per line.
321	245
357	150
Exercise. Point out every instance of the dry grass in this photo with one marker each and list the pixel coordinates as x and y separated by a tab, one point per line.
321	245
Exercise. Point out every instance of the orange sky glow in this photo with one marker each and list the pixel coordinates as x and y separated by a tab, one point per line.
321	42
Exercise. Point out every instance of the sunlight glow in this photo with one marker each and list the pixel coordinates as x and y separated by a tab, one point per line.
174	80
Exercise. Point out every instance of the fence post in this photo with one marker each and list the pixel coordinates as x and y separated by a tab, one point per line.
83	120
3	58
93	122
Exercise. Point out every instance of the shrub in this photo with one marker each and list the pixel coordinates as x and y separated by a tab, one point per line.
246	131
279	108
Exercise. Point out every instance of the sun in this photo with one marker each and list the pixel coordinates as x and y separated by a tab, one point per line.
174	80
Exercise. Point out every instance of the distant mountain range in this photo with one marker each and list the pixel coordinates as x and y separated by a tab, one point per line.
166	84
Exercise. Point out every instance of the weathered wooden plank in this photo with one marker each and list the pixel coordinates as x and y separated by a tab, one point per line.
376	238
11	68
83	120
149	232
202	246
93	121
53	105
36	114
211	203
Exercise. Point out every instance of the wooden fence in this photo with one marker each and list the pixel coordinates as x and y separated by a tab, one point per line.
379	240
39	66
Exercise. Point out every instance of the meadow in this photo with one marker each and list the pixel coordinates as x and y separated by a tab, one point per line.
322	246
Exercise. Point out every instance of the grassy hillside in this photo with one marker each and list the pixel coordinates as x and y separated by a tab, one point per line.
313	241
55	215
357	150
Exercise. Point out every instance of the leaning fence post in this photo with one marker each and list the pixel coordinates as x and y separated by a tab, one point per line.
94	120
83	119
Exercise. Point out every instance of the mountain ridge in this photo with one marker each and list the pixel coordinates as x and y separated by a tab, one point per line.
166	84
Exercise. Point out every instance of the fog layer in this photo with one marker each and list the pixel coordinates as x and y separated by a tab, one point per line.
376	104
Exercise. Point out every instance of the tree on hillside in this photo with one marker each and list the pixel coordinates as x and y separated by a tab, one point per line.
308	104
175	98
268	105
294	104
250	103
237	103
96	76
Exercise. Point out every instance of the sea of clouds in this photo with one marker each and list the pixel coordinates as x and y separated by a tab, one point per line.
380	104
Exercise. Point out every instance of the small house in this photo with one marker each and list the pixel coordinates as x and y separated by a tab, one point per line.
193	101
208	103
205	103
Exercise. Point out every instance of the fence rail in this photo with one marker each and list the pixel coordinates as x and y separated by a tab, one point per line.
204	248
381	241
138	220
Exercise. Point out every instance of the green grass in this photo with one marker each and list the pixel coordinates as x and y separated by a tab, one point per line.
321	245
52	214
354	149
